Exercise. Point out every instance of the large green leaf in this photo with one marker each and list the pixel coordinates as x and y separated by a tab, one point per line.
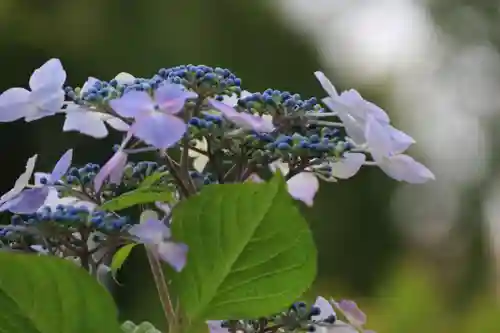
43	294
251	253
137	197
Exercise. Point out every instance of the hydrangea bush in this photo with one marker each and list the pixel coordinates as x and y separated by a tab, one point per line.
216	210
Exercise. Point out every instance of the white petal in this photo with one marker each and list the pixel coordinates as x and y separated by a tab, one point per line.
326	309
201	145
91	81
279	164
22	181
361	108
84	121
303	187
326	84
38	177
378	139
214	326
124	78
49	74
117	124
200	163
405	168
340	327
14	104
348	166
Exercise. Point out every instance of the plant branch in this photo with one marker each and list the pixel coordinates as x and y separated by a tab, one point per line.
162	288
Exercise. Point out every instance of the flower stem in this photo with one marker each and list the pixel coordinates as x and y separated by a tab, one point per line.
162	288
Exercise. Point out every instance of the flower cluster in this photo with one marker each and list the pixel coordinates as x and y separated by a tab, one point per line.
319	317
204	130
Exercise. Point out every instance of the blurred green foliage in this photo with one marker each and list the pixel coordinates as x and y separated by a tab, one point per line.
360	248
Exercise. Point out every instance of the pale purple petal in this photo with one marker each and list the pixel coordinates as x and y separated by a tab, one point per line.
22	181
326	84
27	202
159	129
172	97
360	108
151	231
48	101
84	121
405	168
214	326
14	104
133	104
348	166
378	139
112	170
61	166
51	74
303	187
352	313
326	309
354	128
173	253
243	119
400	140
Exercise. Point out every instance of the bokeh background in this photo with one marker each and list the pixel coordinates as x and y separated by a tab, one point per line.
416	258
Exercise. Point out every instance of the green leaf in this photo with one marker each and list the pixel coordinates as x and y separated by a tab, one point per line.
44	294
119	258
137	197
251	253
152	179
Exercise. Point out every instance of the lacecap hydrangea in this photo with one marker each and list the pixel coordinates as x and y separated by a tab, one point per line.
223	135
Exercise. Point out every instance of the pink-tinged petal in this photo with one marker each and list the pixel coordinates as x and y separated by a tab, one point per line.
61	166
26	202
405	168
303	187
326	309
84	121
348	166
172	97
326	84
214	326
243	119
151	231
159	129
378	139
112	170
173	253
14	104
400	140
22	181
254	178
51	73
133	104
352	313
